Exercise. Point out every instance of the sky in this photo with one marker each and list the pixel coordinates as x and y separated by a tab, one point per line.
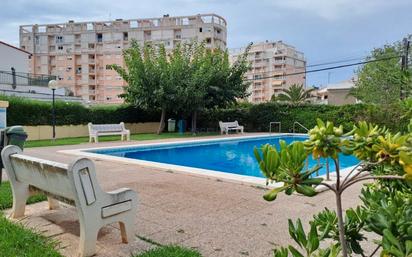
324	30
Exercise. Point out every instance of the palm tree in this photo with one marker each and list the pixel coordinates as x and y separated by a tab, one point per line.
295	95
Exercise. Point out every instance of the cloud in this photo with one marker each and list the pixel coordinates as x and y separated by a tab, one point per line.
338	9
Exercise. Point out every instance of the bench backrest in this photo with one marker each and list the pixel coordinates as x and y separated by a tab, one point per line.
106	127
75	183
228	124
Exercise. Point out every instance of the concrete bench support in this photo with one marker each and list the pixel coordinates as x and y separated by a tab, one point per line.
75	184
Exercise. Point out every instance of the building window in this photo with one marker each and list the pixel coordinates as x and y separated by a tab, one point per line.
60	47
108	67
208	40
37	40
200	29
59	39
69	78
99	37
125	36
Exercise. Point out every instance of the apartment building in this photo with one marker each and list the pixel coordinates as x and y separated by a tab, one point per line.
272	64
80	53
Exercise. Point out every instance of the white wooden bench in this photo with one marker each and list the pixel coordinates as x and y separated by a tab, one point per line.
225	127
96	130
74	184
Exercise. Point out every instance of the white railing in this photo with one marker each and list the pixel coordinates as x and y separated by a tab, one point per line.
300	125
275	123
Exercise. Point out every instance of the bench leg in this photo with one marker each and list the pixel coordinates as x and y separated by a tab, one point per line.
88	238
53	203
126	229
20	195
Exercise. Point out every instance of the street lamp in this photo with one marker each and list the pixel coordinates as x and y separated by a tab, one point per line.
53	86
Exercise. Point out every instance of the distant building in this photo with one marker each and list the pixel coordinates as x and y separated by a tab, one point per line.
80	53
12	57
271	66
336	94
15	79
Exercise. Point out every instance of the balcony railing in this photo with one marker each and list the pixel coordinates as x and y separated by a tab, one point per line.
24	79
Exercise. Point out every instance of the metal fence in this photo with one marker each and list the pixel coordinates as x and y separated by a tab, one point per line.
24	79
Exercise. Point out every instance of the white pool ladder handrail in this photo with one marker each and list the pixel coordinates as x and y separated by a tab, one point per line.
298	123
274	123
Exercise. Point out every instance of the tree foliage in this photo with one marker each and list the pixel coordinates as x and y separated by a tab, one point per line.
185	80
380	82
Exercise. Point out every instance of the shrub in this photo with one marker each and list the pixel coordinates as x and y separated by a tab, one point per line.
255	117
28	112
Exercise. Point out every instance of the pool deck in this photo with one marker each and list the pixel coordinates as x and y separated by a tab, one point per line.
218	217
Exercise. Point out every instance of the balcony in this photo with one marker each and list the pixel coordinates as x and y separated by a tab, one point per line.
279	61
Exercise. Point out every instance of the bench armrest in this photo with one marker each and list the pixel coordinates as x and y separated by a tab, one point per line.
122	194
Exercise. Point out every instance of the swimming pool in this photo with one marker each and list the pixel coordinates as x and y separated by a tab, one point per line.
231	155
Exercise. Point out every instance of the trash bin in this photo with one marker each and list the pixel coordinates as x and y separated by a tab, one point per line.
171	125
182	126
14	135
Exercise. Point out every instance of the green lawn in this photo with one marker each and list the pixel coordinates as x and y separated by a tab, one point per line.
6	197
15	240
137	137
170	251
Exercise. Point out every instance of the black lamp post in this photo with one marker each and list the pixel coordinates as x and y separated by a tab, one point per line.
53	86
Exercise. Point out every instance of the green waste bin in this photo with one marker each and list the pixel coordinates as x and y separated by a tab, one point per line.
16	136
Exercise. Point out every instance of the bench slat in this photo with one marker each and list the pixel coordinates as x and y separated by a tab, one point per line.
43	174
116	208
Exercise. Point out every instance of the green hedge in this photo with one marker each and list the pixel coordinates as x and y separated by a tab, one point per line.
253	117
257	117
23	111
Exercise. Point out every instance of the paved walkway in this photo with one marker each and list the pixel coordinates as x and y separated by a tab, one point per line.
219	218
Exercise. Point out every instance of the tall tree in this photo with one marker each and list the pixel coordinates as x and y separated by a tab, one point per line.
149	76
189	78
214	81
380	82
295	95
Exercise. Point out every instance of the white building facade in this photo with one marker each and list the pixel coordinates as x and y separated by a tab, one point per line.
13	57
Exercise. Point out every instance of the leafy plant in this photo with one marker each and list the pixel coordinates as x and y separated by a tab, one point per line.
384	157
286	166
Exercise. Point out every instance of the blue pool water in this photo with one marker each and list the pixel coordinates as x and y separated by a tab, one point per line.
228	155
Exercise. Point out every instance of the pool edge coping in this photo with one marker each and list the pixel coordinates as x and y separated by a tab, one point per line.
84	152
